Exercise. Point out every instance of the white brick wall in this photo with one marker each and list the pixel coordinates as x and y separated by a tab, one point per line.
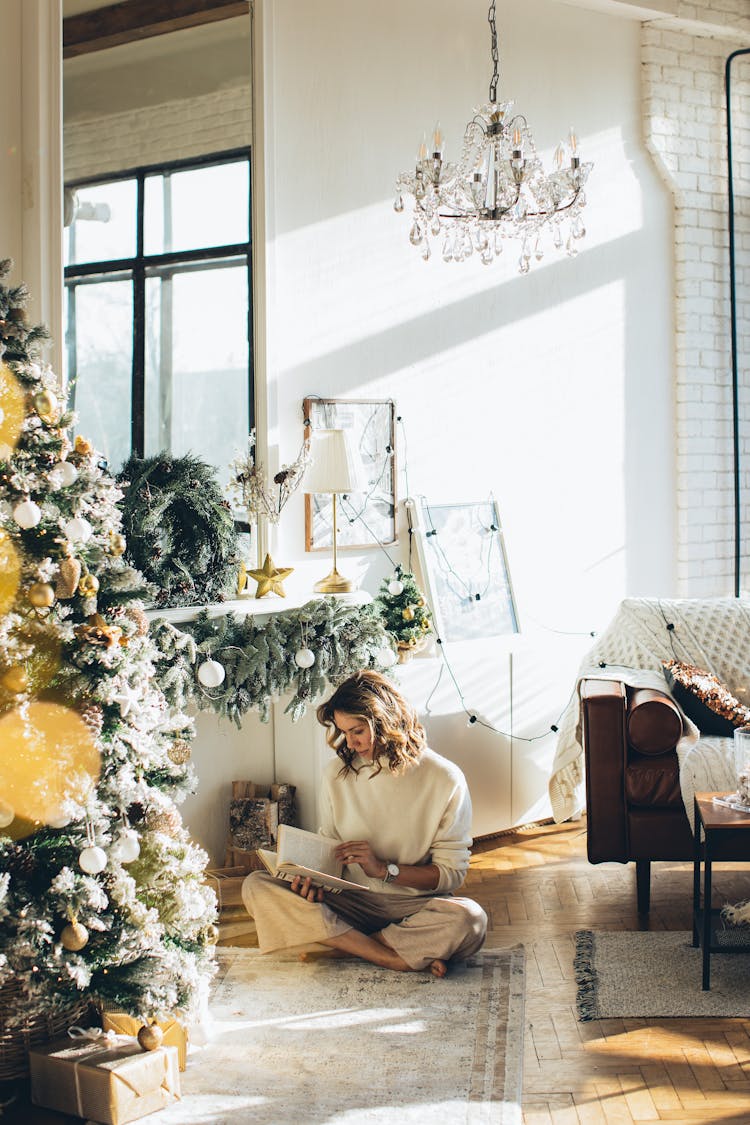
171	131
685	127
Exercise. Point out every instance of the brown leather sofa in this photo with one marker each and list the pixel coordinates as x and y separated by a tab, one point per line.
634	805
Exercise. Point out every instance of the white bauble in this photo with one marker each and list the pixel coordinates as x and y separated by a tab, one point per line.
27	514
62	820
126	846
7	814
395	587
304	658
5	451
63	474
211	674
78	530
386	657
92	860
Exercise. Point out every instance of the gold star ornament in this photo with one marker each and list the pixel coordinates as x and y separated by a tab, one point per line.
270	578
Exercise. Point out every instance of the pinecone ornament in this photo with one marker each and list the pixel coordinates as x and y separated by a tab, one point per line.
68	577
135	614
93	717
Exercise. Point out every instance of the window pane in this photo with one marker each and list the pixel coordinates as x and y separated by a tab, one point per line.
104	223
197	380
100	342
197	208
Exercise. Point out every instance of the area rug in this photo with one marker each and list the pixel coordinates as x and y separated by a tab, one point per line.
654	974
336	1040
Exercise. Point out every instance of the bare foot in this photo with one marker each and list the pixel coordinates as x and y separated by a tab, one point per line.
438	968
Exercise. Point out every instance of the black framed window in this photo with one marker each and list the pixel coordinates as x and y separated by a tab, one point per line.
158	288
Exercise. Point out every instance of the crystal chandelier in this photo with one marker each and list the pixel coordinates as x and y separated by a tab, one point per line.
497	190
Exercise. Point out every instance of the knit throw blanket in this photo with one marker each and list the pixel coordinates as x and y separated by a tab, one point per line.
713	634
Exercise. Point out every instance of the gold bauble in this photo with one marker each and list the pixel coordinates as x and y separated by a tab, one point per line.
46	405
211	934
150	1037
179	752
41	595
117	543
88	586
408	613
167	821
15	679
420	602
425	624
82	446
74	936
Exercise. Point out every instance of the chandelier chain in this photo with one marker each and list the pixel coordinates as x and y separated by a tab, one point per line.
494	52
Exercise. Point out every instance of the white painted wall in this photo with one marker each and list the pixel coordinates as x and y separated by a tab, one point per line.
552	390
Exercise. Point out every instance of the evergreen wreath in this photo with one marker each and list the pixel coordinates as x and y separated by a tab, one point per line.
179	528
258	658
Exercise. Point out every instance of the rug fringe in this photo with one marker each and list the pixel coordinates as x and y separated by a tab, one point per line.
585	976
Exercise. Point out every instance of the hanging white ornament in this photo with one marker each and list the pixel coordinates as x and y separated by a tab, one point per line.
77	529
304	658
386	657
128	698
7	814
74	936
211	674
126	847
92	860
395	587
27	514
63	474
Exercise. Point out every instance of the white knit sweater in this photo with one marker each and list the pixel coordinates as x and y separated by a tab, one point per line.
420	816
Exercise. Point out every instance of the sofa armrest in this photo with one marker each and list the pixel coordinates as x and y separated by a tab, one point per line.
603	717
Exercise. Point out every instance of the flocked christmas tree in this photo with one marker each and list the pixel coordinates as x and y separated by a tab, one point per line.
101	889
403	610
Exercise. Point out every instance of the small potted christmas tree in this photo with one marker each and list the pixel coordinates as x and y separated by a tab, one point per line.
405	614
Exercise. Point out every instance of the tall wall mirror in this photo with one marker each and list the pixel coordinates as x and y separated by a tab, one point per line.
157	111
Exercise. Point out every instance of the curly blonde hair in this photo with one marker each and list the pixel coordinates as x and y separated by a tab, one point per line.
398	737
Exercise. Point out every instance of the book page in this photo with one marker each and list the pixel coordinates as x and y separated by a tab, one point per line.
307	849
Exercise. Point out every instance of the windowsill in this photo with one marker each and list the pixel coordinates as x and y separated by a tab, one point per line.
252	607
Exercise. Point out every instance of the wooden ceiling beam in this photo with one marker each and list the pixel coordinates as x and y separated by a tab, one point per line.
132	20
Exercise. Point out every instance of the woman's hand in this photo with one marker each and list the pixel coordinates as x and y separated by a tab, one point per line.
360	851
305	889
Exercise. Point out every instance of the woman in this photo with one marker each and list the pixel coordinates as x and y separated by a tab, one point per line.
403	816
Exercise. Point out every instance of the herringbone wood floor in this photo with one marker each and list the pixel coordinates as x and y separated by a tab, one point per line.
538	888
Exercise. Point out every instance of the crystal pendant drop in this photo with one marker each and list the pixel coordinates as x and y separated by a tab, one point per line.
538	251
571	247
486	256
426	253
435	225
398	204
523	265
526	250
557	237
447	249
498	242
578	230
415	235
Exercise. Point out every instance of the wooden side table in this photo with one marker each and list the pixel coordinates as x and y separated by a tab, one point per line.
722	834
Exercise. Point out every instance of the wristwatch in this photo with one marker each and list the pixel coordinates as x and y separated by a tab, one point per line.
392	871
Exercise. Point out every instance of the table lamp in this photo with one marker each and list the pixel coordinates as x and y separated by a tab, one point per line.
333	469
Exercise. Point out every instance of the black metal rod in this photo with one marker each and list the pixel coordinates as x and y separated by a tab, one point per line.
733	331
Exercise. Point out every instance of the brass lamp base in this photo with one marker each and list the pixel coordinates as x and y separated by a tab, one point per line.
333	583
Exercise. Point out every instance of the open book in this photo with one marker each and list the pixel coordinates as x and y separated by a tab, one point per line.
309	855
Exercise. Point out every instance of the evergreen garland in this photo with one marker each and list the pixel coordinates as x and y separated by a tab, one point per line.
404	612
179	528
259	658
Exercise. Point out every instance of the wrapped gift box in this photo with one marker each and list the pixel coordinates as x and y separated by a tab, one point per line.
109	1082
175	1035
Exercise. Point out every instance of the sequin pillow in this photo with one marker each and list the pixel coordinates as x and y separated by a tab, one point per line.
705	699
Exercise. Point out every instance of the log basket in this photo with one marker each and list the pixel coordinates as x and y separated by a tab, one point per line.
33	1031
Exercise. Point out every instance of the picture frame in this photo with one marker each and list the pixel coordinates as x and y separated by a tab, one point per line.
368	518
464	564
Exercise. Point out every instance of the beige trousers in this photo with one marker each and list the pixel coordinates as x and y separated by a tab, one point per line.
420	928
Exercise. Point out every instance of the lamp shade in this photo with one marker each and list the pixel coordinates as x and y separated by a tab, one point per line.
333	467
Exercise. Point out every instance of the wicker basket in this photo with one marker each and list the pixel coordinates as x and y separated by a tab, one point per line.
17	1041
